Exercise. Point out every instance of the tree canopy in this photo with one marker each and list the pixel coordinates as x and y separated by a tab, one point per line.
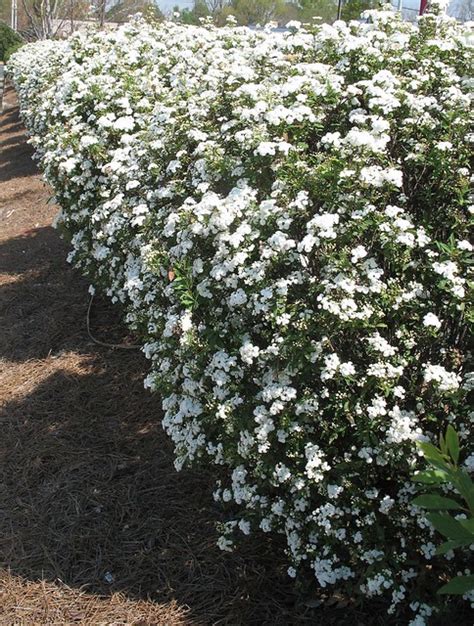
252	12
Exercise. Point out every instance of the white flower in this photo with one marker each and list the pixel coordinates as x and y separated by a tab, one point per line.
266	148
469	463
225	544
127	122
281	242
88	140
331	366
386	504
444	146
186	322
430	319
377	176
282	473
403	426
464	245
238	298
316	465
448	269
334	490
68	165
249	352
445	380
244	526
347	369
378	343
358	253
324	225
333	139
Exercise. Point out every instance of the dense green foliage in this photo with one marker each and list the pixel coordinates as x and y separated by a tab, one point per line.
9	41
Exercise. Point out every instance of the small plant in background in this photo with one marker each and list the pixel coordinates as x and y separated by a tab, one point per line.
457	526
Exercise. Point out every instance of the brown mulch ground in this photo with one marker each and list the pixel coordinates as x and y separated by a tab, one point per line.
96	527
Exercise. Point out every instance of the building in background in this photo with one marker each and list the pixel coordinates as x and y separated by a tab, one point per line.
462	10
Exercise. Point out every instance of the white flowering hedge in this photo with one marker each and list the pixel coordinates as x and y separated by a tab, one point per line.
284	218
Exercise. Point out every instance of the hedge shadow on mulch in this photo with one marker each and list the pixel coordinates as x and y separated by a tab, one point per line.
42	300
15	153
90	497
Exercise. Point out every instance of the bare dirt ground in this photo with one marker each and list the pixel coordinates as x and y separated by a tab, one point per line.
96	527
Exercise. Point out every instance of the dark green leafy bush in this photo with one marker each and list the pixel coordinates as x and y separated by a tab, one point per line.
10	41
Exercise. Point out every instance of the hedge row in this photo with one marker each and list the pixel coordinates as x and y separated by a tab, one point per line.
284	219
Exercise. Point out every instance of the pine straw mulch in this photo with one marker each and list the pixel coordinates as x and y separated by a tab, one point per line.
96	527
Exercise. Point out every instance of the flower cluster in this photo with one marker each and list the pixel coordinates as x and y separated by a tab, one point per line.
284	218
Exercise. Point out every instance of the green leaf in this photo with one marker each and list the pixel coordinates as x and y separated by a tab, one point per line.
458	586
447	546
465	486
431	477
432	501
452	441
431	452
449	527
468	524
442	444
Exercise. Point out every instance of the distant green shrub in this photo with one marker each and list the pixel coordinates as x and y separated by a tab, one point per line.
10	41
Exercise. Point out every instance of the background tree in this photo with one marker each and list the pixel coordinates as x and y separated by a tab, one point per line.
326	10
122	10
45	17
262	12
251	12
98	10
193	16
5	11
352	9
